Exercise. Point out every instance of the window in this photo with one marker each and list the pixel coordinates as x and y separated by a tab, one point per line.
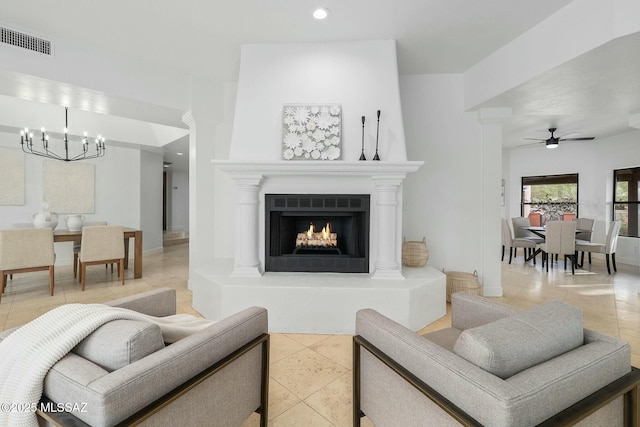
549	198
625	200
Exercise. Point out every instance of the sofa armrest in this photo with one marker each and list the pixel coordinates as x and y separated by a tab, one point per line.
113	397
384	394
469	311
158	302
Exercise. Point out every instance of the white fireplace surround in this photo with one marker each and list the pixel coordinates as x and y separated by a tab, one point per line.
381	180
324	303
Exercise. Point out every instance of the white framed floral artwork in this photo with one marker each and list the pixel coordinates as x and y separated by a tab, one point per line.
312	132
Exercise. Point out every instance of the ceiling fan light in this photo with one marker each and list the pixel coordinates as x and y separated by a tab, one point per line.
552	144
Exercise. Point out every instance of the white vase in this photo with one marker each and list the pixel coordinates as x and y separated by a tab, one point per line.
45	220
74	222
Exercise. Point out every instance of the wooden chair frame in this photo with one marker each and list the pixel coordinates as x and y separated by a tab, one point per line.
76	256
83	268
5	273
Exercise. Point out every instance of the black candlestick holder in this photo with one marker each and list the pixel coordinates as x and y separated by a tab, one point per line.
362	156
376	157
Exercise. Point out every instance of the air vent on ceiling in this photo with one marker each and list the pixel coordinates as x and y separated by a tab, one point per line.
25	41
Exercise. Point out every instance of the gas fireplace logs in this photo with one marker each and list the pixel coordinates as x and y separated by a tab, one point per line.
311	238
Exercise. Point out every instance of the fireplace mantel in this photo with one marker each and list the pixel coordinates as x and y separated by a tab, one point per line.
311	167
383	180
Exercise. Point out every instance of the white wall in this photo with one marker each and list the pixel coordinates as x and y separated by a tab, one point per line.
224	189
360	76
179	192
151	169
594	162
203	119
169	196
118	191
442	200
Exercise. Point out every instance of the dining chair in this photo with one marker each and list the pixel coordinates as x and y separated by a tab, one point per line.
101	244
78	245
21	225
608	248
26	250
508	241
560	239
520	225
585	224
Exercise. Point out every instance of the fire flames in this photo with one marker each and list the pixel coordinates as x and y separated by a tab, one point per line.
313	238
325	233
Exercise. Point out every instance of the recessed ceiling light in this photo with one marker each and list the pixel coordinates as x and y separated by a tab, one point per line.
179	154
321	13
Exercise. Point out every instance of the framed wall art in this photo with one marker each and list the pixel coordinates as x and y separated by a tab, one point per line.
312	132
11	176
69	187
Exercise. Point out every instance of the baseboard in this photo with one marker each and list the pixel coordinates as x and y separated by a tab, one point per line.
627	261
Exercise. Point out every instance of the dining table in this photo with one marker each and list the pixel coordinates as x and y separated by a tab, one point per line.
129	233
537	230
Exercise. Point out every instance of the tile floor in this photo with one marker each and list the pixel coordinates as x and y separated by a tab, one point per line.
172	238
311	374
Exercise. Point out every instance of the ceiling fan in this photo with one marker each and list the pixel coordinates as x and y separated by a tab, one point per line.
552	142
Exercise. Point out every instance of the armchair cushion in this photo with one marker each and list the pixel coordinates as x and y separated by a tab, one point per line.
510	345
120	342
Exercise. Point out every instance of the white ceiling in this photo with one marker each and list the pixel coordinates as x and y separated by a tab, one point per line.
592	94
202	36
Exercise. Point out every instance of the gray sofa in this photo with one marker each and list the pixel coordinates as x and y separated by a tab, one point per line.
496	366
122	375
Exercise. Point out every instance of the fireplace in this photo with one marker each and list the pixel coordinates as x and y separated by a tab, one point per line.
317	233
368	194
259	231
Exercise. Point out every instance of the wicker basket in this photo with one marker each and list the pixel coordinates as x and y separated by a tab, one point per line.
414	253
458	281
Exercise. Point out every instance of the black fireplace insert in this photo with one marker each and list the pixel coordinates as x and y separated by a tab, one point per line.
317	232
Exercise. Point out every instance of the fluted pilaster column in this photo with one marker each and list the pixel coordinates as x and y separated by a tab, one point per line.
387	192
247	262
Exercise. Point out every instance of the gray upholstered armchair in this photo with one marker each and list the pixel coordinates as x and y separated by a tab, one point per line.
496	366
122	375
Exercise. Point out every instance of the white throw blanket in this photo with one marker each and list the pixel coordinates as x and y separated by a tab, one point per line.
28	353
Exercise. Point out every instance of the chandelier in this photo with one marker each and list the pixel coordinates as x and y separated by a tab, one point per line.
85	151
